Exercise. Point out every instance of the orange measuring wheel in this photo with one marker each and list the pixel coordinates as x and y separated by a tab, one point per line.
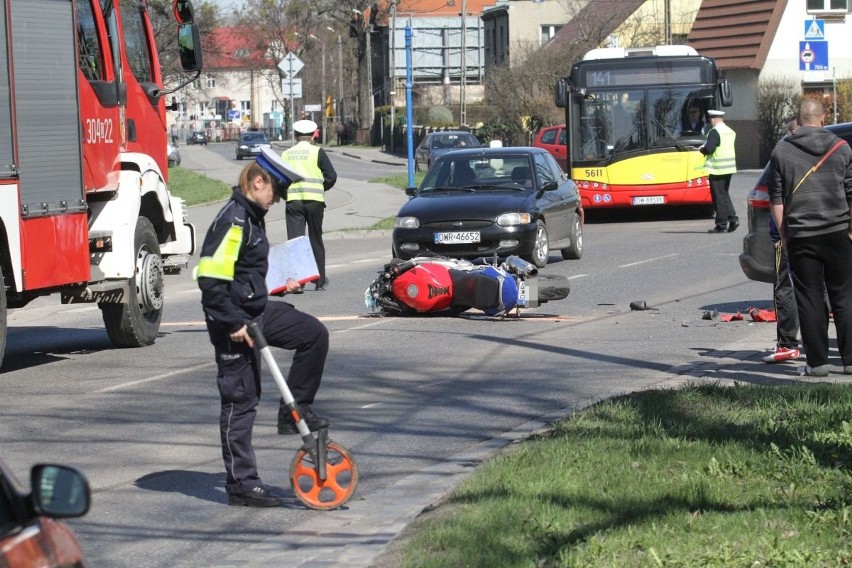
341	478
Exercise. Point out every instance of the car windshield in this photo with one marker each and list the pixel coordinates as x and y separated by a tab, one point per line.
255	138
454	140
500	171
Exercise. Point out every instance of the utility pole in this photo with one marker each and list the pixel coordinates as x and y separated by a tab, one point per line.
340	77
463	105
392	69
667	24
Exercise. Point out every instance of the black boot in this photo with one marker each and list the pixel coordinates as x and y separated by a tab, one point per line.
257	497
287	426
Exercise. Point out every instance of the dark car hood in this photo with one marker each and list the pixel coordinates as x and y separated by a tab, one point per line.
484	204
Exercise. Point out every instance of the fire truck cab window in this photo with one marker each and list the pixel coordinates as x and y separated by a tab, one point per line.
136	41
91	62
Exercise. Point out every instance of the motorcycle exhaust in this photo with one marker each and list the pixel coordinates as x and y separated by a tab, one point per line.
520	266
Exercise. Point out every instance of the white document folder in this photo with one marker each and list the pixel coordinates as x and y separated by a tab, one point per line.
291	259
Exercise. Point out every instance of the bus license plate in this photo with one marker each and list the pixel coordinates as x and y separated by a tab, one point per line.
649	200
458	238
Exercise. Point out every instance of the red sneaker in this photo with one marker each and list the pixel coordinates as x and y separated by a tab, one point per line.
782	354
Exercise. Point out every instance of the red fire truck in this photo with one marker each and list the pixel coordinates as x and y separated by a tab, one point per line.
85	210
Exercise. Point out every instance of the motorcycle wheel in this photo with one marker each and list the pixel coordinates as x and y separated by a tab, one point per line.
552	287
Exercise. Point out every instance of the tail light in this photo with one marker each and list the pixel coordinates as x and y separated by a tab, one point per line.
758	197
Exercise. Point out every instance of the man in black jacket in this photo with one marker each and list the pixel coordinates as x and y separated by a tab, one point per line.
810	194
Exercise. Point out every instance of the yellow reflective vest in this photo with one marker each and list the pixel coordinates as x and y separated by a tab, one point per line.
724	160
304	158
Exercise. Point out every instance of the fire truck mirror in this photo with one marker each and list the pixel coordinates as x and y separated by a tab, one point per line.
189	43
183	11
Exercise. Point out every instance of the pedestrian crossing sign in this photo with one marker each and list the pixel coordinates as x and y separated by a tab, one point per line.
815	29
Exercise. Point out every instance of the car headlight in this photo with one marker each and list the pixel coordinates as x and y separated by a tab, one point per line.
406	223
513	219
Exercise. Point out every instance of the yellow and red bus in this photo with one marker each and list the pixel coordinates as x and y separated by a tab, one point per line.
630	143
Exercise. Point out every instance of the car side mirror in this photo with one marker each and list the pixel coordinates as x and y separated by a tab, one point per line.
411	191
549	186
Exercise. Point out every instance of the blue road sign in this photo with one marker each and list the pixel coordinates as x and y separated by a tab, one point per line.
813	56
815	29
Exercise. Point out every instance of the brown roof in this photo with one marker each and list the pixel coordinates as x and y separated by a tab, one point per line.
594	23
736	33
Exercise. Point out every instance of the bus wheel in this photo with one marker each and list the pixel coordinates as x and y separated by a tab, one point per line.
136	323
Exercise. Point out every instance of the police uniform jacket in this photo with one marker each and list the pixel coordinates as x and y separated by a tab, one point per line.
234	261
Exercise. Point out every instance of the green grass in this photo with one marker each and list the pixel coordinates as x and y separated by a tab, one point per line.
705	476
195	188
399	180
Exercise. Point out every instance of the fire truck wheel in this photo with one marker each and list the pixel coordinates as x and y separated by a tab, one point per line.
137	322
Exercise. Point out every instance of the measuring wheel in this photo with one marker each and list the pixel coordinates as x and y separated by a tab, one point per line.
341	478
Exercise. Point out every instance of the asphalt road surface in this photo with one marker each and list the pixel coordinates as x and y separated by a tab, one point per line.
418	401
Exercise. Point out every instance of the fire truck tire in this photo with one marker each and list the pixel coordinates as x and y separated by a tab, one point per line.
136	323
3	307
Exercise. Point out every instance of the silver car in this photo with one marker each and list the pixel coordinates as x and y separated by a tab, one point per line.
436	144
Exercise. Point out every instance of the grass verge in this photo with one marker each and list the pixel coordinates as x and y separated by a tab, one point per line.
195	188
704	476
399	180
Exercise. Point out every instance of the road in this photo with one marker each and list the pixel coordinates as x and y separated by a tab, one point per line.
406	396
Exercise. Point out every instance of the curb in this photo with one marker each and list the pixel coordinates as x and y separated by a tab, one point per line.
384	162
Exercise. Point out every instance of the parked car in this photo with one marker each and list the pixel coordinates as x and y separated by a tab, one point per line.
436	144
554	140
31	533
492	201
250	144
197	137
174	155
758	257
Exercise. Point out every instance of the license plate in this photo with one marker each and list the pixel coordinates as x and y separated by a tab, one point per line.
649	200
522	293
458	238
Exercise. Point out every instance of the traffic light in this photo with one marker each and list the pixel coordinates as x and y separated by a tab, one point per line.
329	106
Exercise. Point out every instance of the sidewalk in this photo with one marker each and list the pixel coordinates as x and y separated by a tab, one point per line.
351	205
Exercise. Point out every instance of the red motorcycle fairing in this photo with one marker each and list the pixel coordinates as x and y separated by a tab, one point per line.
425	288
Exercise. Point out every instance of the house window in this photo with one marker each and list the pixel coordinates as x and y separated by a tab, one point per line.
211	82
196	84
547	32
245	105
827	5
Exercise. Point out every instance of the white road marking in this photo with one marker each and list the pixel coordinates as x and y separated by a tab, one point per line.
649	260
154	378
577	276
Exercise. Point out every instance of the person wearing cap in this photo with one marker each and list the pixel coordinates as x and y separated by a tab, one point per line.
231	274
306	198
721	165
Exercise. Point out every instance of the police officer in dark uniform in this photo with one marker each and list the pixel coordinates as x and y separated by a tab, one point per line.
232	276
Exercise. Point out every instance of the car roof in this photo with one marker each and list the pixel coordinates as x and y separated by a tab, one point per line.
842	129
488	152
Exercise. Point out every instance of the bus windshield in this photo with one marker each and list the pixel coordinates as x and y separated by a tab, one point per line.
618	121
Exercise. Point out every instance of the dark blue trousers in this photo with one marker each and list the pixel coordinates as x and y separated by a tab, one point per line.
238	379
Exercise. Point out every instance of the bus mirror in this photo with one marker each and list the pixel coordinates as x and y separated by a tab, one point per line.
561	93
725	93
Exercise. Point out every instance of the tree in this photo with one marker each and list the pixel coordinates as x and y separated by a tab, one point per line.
778	99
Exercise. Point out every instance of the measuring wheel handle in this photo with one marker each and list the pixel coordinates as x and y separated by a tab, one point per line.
323	474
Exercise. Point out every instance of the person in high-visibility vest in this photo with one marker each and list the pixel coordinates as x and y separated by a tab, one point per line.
721	165
232	277
306	198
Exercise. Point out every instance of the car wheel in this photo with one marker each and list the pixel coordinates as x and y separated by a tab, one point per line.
239	157
575	250
541	248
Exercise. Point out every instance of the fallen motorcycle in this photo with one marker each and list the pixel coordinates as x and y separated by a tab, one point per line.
447	286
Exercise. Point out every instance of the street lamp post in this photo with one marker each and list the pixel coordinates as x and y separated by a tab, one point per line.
322	106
